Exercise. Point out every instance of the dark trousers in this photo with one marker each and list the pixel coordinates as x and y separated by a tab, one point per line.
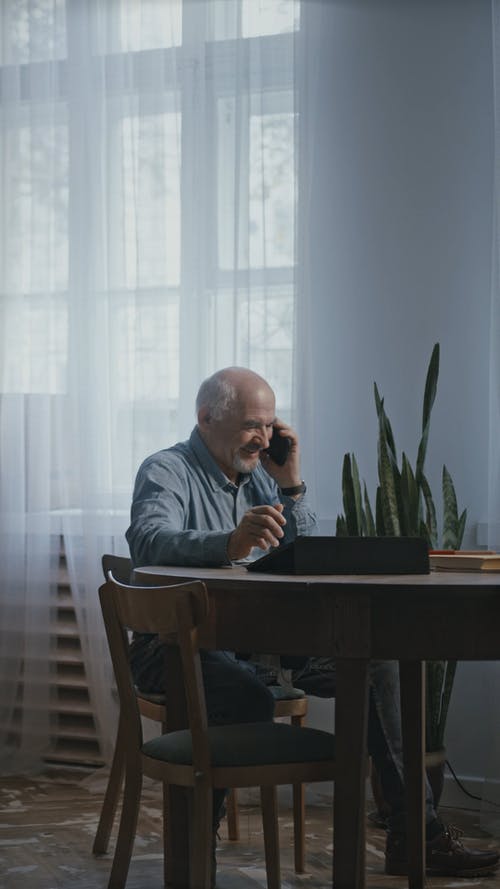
236	691
233	693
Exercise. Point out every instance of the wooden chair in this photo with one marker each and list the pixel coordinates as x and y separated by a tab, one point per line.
291	704
201	758
294	709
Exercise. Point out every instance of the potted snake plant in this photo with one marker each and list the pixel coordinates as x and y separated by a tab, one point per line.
404	506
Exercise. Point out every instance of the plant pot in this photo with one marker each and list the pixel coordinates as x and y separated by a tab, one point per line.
435	761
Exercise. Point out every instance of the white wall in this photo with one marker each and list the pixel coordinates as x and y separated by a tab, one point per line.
397	157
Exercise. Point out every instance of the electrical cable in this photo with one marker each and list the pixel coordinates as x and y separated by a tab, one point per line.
467	792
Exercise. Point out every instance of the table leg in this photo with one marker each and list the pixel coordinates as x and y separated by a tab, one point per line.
351	719
412	679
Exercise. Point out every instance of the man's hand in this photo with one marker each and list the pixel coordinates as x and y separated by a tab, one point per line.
260	526
288	475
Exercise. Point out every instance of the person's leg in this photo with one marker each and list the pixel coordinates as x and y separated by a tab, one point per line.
386	747
233	692
318	678
446	855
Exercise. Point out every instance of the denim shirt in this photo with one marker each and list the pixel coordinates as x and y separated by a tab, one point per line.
184	508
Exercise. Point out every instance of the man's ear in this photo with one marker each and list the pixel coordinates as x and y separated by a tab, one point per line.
204	417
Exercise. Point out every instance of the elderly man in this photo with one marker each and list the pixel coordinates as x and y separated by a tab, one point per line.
220	498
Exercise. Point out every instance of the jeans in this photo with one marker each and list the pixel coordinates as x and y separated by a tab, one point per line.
233	693
385	747
236	691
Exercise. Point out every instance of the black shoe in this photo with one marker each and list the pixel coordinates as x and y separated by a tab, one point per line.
445	856
376	819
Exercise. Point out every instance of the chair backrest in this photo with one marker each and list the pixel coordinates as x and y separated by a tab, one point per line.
120	566
173	612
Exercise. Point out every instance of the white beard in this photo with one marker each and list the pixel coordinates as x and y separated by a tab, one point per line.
245	465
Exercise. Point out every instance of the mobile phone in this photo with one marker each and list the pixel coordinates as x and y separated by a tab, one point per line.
279	447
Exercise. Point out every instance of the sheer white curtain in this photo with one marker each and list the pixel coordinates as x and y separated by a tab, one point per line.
148	169
494	476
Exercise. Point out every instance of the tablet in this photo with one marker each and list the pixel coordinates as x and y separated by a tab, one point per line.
347	555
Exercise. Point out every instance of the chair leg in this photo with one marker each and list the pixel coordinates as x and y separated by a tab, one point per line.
166	853
233	814
110	801
269	804
128	827
299	839
201	837
299	817
177	832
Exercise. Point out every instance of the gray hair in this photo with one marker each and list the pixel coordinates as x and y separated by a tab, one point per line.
217	394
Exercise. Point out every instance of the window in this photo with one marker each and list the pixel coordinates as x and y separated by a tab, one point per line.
149	157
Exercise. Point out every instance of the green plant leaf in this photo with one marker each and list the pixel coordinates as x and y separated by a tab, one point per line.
341	529
409	498
461	529
379	404
450	512
423	531
370	523
430	513
349	498
430	386
364	531
388	484
379	517
358	503
387	449
429	397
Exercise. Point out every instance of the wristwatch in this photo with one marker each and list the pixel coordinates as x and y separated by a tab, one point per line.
297	489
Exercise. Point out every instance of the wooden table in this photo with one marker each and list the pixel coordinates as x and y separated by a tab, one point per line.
410	618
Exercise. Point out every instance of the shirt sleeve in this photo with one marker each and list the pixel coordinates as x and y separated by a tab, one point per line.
300	518
299	515
158	534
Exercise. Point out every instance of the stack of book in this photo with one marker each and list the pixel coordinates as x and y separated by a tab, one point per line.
464	560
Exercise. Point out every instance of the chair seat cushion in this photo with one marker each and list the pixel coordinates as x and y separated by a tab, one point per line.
259	743
286	693
150	696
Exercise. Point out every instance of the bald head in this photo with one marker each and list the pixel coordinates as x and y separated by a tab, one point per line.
221	393
235	418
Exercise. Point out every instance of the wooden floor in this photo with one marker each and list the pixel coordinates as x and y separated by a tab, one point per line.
47	827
